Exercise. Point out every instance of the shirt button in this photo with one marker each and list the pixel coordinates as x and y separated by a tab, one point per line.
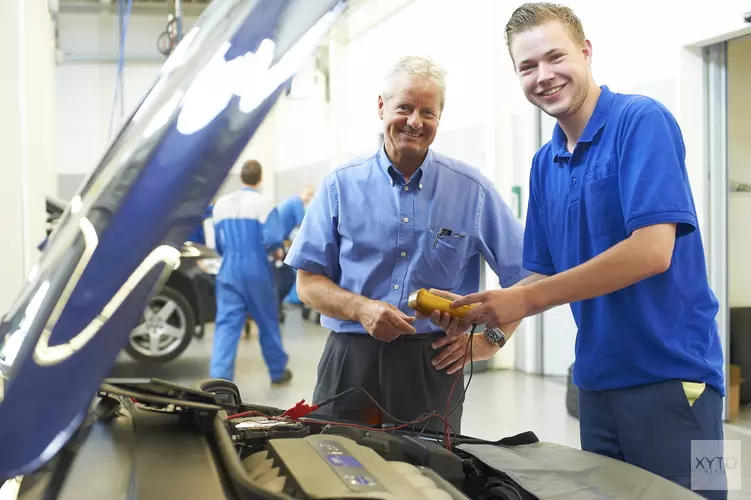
404	254
420	186
396	287
406	219
573	181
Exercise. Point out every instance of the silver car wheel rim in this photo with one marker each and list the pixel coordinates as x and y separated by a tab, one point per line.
162	329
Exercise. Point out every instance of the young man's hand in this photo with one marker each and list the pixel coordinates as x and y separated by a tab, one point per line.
449	324
494	308
383	321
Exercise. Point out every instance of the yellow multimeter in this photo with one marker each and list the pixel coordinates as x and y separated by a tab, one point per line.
426	302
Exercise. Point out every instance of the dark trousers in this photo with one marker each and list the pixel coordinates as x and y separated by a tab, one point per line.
397	374
653	427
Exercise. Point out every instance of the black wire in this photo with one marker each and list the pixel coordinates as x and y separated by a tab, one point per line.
426	416
353	389
471	371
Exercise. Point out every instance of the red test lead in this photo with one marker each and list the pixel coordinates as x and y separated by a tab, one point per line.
300	410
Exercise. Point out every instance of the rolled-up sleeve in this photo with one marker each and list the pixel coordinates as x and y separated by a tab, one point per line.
316	245
500	238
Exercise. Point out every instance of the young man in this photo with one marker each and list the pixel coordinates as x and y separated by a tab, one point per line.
612	230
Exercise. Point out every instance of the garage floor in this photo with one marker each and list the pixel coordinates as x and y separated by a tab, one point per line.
517	402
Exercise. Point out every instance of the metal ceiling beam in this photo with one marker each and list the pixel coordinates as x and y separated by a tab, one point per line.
70	58
192	9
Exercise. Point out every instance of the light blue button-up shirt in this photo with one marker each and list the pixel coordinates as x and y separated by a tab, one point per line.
377	235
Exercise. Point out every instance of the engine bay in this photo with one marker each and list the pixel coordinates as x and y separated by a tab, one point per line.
148	438
269	453
316	459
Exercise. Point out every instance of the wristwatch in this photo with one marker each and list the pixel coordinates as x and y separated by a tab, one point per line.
495	336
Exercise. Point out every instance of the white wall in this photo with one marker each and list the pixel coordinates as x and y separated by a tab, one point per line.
26	131
86	81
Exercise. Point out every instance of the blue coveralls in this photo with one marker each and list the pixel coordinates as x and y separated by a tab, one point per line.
247	230
291	214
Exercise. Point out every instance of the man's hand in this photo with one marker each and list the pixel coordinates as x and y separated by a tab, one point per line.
452	355
384	321
449	324
494	308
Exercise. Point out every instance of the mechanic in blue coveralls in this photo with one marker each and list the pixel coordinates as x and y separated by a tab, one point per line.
612	230
291	214
379	227
247	231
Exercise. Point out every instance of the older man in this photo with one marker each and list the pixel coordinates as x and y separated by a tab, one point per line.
380	227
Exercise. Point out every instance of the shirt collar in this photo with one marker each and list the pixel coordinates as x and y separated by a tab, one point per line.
594	125
396	176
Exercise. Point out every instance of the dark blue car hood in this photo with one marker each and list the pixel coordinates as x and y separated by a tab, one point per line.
122	231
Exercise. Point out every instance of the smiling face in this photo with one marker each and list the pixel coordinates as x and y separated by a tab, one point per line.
410	113
553	69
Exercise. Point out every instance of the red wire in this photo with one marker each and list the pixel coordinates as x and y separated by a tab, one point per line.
443	418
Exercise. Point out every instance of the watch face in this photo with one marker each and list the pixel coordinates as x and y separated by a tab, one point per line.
494	335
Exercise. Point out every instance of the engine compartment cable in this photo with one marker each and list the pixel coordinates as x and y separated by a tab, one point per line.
300	411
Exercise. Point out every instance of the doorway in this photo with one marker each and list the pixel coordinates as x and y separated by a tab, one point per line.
734	133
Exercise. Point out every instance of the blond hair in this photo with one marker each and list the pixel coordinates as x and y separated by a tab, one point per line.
419	66
534	14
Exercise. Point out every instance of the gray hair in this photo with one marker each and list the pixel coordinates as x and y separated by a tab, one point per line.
419	66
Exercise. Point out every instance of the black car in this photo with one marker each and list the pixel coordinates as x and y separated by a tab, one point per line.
185	304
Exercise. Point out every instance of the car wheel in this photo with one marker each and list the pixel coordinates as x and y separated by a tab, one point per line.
166	328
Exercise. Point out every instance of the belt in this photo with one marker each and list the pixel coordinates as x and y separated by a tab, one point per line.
413	336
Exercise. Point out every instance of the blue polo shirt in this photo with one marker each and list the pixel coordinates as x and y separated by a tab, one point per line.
626	172
376	234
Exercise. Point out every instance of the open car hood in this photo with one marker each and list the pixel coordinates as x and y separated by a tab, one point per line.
61	337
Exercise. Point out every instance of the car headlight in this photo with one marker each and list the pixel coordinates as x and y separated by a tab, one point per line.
210	265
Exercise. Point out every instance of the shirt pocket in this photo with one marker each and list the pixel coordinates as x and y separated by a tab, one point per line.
442	260
603	206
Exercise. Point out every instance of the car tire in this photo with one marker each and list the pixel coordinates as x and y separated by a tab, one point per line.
171	311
